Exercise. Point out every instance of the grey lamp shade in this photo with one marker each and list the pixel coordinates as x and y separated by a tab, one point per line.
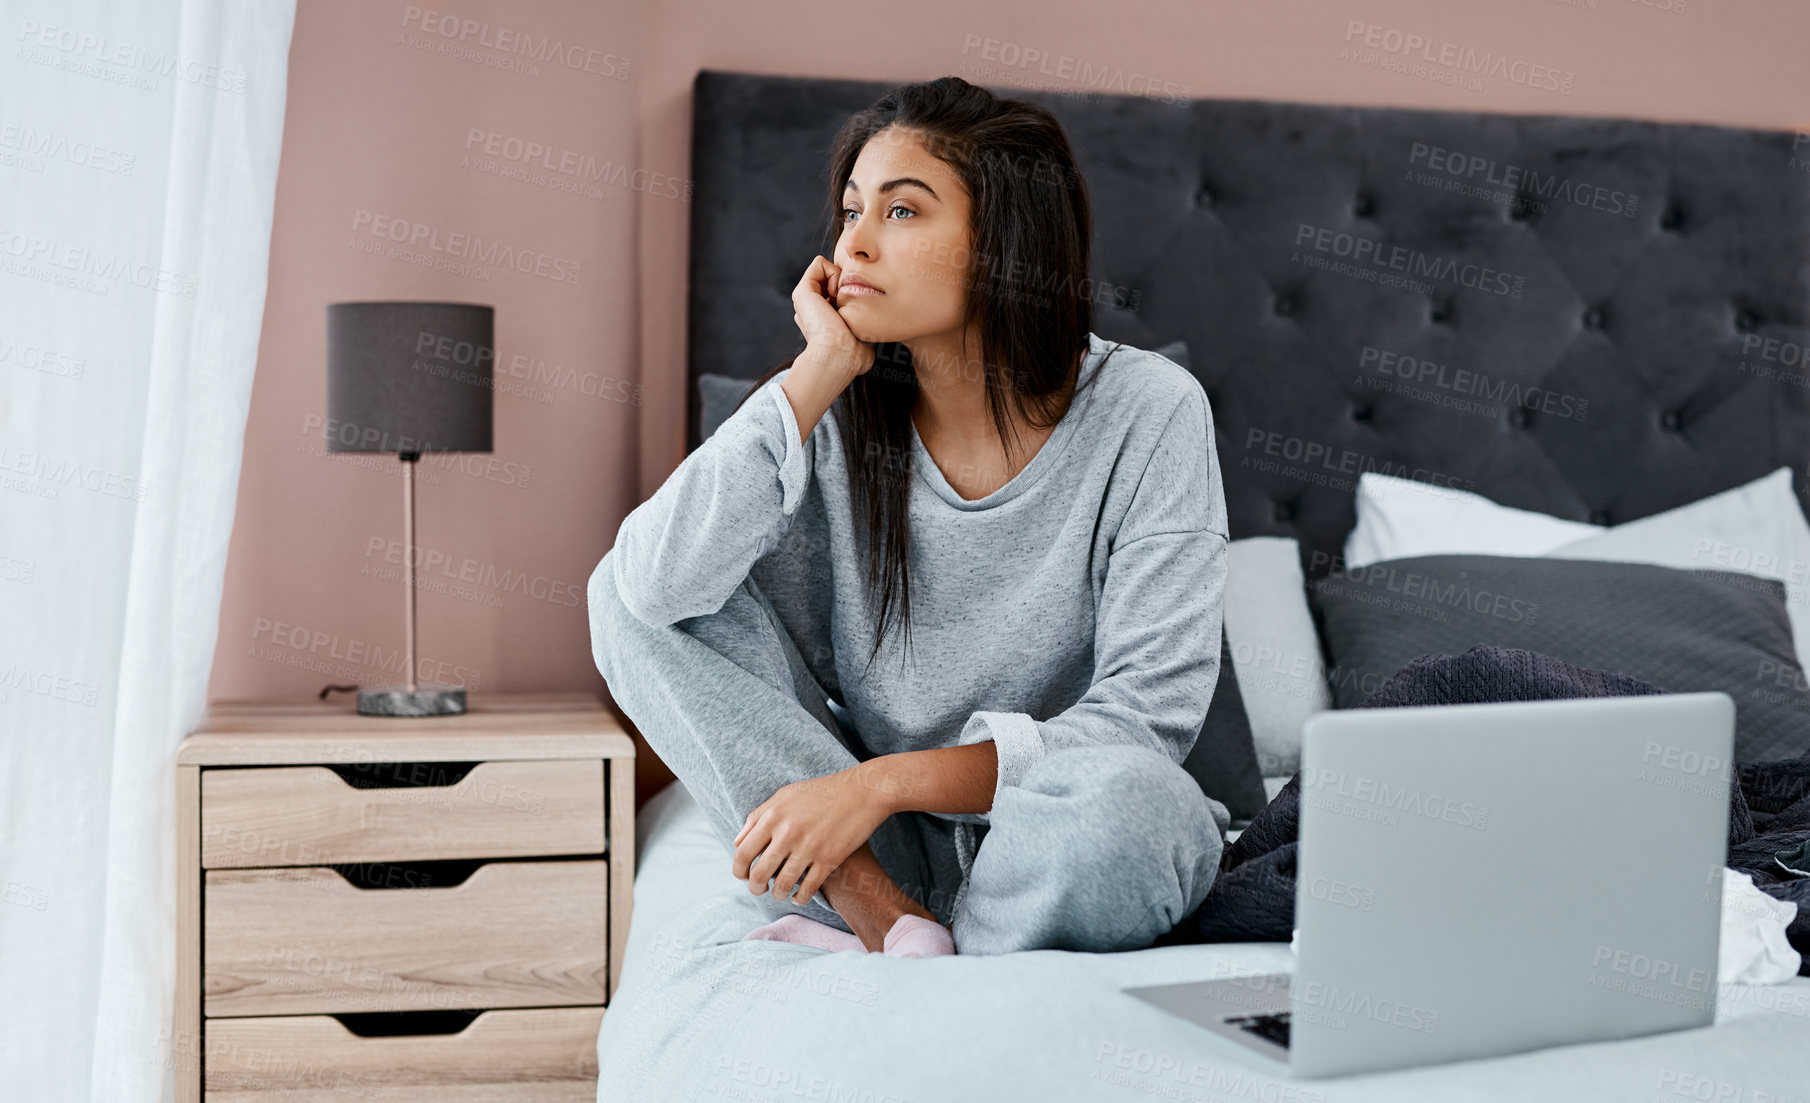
409	377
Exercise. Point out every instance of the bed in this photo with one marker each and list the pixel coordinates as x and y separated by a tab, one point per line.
1642	268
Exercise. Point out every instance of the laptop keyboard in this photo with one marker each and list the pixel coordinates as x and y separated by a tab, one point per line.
1273	1027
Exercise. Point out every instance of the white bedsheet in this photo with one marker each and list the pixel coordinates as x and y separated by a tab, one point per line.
702	1015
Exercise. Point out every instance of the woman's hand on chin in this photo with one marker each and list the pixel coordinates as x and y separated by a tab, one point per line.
828	340
797	837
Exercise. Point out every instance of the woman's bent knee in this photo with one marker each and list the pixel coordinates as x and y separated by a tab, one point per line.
1131	801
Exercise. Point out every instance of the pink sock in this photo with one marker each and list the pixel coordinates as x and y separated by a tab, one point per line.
915	936
805	932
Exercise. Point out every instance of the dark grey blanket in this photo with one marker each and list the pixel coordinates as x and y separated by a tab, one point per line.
1253	899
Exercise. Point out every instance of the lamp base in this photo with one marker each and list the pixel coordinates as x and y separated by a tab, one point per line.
423	700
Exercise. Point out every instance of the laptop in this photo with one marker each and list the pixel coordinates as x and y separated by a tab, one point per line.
1485	879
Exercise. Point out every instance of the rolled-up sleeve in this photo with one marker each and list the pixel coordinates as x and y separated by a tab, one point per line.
1157	621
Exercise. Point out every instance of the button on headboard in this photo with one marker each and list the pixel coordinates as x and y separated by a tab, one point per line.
1596	318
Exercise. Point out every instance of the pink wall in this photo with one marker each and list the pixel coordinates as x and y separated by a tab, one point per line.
385	137
380	127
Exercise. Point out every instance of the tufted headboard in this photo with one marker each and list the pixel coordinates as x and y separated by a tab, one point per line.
1595	318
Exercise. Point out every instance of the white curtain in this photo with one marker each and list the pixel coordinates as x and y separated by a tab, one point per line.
138	162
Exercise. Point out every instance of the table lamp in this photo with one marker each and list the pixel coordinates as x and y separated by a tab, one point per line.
408	378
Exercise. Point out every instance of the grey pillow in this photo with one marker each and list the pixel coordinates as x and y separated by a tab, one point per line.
717	396
1683	631
1224	759
1757	528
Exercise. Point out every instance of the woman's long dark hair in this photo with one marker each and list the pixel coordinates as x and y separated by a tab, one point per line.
1029	296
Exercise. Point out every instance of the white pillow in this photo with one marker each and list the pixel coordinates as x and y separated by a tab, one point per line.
1756	529
1275	650
1398	518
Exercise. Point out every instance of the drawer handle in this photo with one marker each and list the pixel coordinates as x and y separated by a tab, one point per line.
402	775
441	873
437	873
391	1024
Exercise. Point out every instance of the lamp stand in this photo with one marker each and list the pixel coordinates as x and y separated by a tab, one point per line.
410	699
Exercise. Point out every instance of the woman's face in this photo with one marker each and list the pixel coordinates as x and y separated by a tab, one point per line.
905	231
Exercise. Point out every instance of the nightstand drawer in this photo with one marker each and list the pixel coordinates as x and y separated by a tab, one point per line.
308	815
305	940
546	1055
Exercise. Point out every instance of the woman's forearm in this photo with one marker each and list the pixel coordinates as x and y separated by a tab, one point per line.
946	779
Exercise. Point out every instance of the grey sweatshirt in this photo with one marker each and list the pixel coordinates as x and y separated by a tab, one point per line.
1077	605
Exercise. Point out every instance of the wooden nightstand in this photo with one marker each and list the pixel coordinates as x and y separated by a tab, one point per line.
400	909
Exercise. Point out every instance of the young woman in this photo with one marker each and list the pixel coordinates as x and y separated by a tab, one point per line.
928	624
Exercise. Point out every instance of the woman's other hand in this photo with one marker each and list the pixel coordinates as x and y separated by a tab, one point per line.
797	837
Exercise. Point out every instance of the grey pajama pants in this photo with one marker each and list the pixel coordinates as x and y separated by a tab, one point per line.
1099	848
